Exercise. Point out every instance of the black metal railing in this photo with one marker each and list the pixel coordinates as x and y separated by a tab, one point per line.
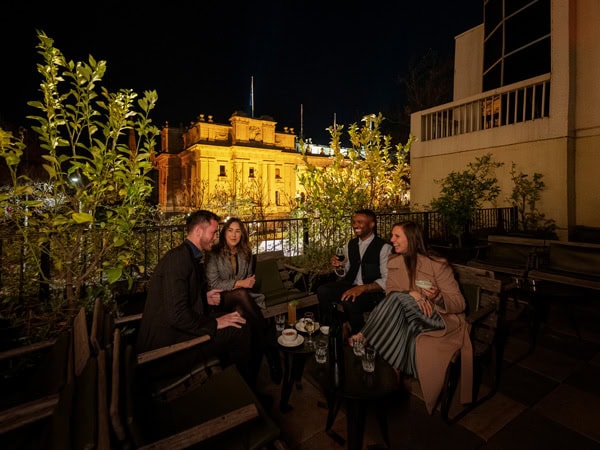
18	268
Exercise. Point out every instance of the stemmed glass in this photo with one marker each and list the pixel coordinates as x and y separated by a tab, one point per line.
340	271
309	327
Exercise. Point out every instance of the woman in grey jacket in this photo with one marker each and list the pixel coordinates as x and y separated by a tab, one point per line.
229	267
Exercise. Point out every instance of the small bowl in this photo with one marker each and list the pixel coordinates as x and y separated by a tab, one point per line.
325	329
289	335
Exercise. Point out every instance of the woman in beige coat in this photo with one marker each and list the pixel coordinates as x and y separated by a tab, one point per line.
417	328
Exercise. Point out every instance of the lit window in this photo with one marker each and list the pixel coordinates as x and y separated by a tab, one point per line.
277	173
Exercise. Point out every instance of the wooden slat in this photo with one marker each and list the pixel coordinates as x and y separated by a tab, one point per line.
128	319
206	430
27	413
81	340
26	349
151	355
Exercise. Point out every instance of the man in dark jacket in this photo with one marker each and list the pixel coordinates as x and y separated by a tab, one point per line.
176	308
363	285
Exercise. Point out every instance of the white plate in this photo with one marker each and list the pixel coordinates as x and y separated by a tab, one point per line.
300	326
299	340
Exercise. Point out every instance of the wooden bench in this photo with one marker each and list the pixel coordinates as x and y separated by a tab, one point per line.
509	255
570	263
567	272
273	280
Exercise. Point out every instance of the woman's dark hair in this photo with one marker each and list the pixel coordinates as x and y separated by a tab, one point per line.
416	246
243	247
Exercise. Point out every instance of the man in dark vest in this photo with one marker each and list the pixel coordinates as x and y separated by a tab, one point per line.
363	285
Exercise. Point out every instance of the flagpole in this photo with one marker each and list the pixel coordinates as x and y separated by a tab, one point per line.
301	121
252	94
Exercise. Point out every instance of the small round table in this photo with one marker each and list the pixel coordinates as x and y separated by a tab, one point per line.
358	390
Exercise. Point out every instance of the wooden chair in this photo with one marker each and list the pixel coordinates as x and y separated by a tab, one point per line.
272	279
54	368
482	293
52	421
103	325
226	414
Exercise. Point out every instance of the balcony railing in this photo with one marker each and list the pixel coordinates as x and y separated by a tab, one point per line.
519	102
18	263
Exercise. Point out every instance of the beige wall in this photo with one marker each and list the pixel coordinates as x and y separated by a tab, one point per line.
468	63
563	147
587	181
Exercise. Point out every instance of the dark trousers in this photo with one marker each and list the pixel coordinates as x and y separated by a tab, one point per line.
353	310
264	338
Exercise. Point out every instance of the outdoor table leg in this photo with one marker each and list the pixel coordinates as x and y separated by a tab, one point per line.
286	384
293	368
356	415
383	426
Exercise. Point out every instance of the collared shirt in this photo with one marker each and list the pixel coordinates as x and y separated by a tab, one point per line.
383	258
195	250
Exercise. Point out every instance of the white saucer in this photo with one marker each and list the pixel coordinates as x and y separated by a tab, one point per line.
299	340
300	326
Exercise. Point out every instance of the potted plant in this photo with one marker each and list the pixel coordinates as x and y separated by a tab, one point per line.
462	193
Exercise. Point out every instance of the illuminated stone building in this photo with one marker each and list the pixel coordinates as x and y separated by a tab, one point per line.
526	90
210	164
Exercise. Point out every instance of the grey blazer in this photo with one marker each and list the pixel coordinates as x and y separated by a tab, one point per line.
219	274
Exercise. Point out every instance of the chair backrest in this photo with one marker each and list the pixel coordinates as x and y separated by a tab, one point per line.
268	278
81	341
574	257
472	294
102	327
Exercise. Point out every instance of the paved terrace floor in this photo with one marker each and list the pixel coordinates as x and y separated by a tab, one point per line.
549	399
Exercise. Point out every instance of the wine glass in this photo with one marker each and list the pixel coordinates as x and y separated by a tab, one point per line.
309	327
340	271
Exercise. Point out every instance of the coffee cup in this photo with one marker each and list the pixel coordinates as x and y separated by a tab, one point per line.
289	335
324	329
423	284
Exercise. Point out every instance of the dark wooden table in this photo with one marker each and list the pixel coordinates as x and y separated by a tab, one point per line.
358	390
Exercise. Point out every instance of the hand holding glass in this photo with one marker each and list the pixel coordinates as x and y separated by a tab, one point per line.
340	271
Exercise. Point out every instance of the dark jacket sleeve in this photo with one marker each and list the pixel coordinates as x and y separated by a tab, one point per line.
183	298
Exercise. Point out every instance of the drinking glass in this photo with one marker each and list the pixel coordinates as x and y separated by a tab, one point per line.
368	359
358	345
280	322
321	352
292	313
340	271
309	327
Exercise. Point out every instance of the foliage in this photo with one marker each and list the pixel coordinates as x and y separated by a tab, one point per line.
366	175
98	185
462	193
525	194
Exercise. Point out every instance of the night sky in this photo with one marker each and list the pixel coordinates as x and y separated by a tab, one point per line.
331	57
